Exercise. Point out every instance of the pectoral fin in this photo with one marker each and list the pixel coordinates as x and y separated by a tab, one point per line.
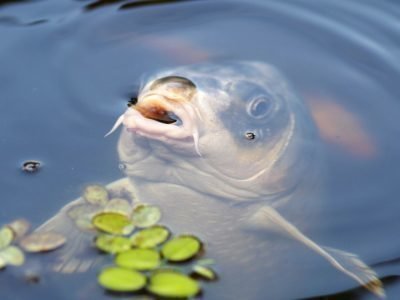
348	263
78	255
74	255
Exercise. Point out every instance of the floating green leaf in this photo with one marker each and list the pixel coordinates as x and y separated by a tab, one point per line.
96	194
118	205
112	244
204	272
145	215
121	280
181	248
20	227
138	259
114	223
167	283
6	236
42	241
12	256
150	237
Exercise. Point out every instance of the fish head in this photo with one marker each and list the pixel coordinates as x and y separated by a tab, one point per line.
233	130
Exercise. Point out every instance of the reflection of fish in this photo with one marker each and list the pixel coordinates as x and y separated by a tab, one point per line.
221	149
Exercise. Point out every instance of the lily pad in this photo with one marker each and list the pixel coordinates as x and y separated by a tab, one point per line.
168	283
204	272
20	227
181	248
118	205
42	241
6	236
138	259
12	256
114	223
112	244
150	237
96	194
145	215
121	280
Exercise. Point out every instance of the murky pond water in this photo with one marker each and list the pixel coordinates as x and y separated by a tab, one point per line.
68	68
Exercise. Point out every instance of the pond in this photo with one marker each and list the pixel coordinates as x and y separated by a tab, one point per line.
68	69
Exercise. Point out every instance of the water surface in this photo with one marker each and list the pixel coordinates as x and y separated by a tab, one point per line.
68	68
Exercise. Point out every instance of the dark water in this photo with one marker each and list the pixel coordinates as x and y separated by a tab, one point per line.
67	69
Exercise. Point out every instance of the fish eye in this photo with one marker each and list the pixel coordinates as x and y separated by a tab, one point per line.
259	107
250	135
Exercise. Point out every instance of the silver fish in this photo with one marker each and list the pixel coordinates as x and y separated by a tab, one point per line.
225	150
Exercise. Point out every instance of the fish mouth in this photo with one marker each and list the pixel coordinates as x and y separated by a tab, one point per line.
159	117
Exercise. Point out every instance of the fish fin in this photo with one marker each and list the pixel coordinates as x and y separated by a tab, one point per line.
355	265
346	262
74	256
78	255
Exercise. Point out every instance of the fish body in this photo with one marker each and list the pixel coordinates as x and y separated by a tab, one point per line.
229	153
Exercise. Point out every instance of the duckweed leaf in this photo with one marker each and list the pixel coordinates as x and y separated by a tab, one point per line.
150	237
6	236
181	248
20	227
112	244
12	256
167	283
114	223
96	194
138	259
42	241
204	272
145	215
121	280
118	205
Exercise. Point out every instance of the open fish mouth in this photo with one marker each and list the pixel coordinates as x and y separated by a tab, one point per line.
159	117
